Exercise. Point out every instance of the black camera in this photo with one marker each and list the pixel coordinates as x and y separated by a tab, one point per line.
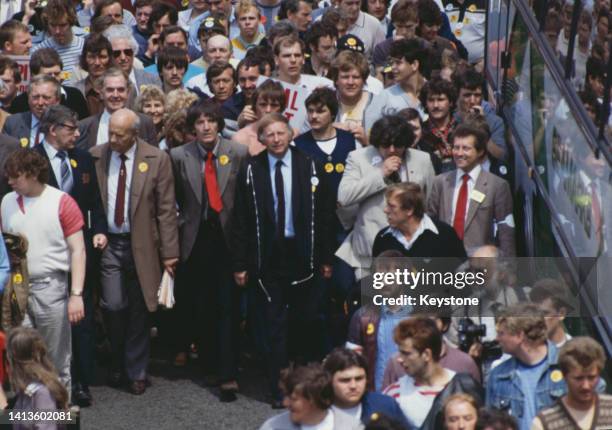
469	332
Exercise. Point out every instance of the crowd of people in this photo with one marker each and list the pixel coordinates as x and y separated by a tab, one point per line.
266	158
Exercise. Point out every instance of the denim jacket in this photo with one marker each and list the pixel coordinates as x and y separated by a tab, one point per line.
504	389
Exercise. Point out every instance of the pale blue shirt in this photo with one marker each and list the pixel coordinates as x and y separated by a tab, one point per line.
286	172
56	165
385	345
34	130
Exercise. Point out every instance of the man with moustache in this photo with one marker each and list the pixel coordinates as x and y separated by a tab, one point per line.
282	238
205	174
248	70
475	202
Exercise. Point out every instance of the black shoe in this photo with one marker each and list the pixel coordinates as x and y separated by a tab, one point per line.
115	380
81	396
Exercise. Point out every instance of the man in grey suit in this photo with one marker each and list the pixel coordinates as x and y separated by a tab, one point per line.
125	49
205	173
475	202
43	92
94	129
361	195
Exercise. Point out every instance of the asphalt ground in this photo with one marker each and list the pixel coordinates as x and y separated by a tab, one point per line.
178	399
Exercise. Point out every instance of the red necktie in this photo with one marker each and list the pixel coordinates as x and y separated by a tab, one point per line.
596	211
37	138
120	202
459	221
210	179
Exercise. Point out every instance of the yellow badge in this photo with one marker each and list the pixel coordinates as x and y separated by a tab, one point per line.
73	163
556	376
314	188
185	3
466	20
370	329
374	417
143	167
329	167
472	8
351	41
65	75
224	159
477	196
339	167
86	29
24	142
453	18
457	32
143	87
17	278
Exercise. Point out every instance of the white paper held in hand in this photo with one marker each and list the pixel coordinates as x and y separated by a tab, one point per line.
165	294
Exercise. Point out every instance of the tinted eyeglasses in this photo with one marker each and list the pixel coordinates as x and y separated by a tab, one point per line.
127	52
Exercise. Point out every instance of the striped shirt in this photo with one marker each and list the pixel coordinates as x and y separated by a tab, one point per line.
69	54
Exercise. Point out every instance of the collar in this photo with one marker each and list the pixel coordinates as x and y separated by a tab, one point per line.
129	153
286	159
203	152
509	369
473	174
426	224
50	150
105	116
360	20
402	312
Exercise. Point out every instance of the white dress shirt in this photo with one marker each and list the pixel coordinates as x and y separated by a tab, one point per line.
113	182
102	137
56	165
471	184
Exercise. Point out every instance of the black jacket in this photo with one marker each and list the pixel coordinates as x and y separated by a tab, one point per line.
254	226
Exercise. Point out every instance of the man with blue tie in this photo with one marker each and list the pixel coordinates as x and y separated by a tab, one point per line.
283	215
72	170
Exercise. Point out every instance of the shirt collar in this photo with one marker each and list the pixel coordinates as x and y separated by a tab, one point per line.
129	153
360	20
105	116
426	224
35	121
204	152
50	150
473	174
286	159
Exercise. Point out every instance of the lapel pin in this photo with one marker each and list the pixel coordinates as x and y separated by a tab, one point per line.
339	168
17	278
143	167
73	163
329	167
376	160
223	160
23	142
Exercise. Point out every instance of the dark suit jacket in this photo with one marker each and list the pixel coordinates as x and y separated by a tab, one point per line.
255	224
73	100
88	128
18	125
7	145
189	186
153	221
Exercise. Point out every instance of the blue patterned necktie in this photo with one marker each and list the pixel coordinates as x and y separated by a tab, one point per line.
66	180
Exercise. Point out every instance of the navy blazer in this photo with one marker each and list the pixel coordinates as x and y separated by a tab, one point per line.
376	403
85	190
255	221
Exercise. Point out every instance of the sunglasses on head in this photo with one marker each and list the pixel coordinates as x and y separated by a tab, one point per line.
127	52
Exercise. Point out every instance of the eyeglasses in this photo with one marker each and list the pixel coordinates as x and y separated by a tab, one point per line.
127	52
69	127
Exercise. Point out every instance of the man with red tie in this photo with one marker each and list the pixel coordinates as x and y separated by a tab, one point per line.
205	173
137	189
475	202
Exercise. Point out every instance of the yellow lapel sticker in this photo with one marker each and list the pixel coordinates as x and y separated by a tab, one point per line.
339	167
17	278
24	142
73	163
477	196
314	188
224	159
472	8
370	329
329	167
143	167
556	376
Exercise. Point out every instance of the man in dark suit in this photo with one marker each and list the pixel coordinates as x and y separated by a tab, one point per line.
94	129
205	173
47	61
7	145
137	189
72	170
478	204
284	212
44	91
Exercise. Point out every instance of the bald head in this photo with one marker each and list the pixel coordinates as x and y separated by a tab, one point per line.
122	130
218	48
486	251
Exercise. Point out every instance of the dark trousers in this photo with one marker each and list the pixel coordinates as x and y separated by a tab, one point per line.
84	339
283	316
126	311
207	303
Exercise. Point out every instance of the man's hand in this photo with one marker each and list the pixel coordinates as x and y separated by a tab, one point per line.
29	11
475	351
100	241
247	116
241	278
76	309
152	46
327	271
359	133
170	265
391	165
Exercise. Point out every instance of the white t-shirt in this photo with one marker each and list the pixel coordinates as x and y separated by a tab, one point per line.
354	412
326	424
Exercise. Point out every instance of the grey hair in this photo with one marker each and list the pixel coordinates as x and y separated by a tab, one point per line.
46	79
57	115
121	31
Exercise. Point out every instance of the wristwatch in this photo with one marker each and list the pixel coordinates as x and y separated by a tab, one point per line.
79	294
